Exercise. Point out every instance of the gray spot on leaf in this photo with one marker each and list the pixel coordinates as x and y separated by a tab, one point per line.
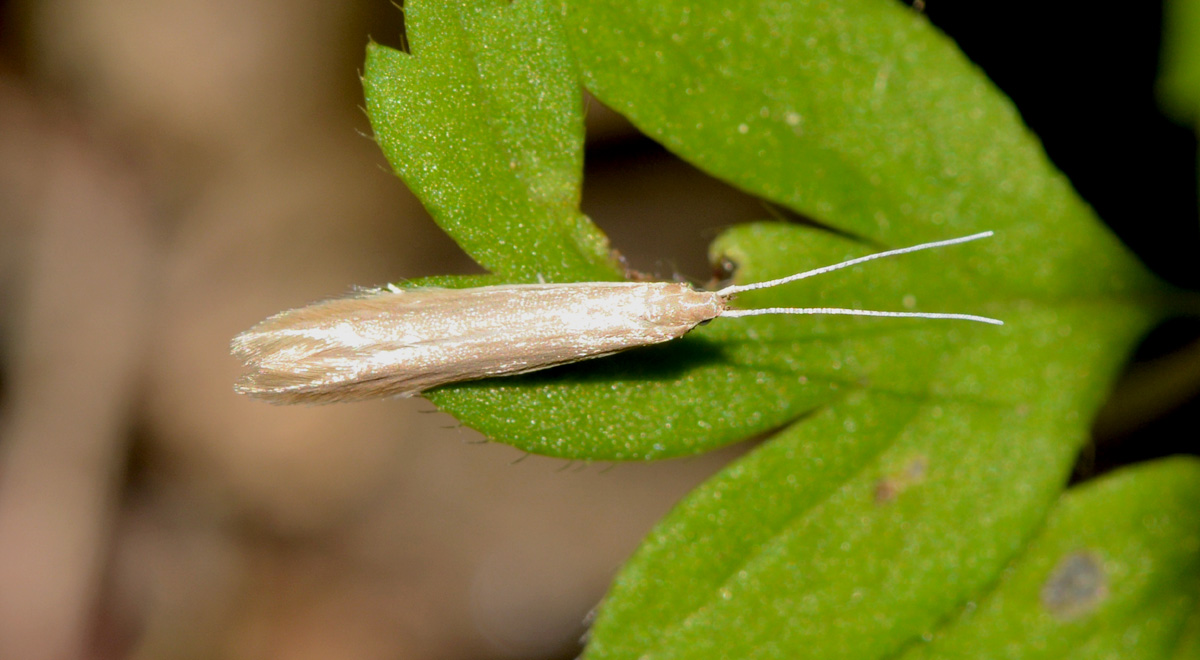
1076	586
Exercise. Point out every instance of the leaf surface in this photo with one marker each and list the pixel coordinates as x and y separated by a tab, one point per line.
1113	574
936	153
913	459
484	122
1179	83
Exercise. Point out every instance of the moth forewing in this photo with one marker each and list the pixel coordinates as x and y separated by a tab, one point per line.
401	343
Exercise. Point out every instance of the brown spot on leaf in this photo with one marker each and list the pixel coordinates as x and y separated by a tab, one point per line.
890	486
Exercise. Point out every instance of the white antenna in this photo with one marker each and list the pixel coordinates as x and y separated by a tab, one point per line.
730	291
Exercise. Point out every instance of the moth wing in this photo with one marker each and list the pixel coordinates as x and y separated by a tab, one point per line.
338	349
400	343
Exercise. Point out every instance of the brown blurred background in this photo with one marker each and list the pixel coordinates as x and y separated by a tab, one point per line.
172	172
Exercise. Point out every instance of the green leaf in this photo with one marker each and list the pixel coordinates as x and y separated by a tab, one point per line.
735	379
845	536
1189	642
916	457
1114	573
858	114
484	122
1179	83
937	152
834	576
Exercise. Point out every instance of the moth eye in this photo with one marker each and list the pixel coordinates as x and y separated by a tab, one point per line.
723	271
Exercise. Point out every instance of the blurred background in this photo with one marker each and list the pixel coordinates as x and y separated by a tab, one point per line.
172	172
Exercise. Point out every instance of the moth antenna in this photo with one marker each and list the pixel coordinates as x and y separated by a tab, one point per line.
739	288
841	311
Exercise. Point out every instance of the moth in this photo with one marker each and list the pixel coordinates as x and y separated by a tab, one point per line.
401	342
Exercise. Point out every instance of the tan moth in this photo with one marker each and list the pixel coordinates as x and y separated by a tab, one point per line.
397	342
